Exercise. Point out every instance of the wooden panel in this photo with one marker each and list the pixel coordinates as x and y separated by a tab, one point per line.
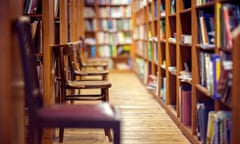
48	39
235	91
72	20
11	86
5	62
63	22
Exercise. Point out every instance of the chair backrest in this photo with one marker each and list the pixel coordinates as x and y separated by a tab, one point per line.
75	56
82	51
63	57
34	99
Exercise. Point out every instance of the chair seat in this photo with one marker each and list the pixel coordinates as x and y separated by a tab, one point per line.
88	84
78	115
90	72
99	60
95	64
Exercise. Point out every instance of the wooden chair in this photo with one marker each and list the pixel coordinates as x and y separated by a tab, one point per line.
87	62
77	66
101	115
63	56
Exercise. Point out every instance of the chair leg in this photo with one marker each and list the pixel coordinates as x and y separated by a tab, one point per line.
61	134
116	135
108	134
34	136
106	94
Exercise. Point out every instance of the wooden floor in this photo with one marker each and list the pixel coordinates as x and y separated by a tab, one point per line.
144	121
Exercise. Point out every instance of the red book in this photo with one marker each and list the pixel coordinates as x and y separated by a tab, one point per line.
186	107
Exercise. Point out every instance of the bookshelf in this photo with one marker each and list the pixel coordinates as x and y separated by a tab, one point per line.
194	53
108	31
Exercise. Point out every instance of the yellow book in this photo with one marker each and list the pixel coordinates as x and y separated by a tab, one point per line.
210	126
218	23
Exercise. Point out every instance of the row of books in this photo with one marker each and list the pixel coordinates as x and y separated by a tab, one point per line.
114	12
37	30
201	2
114	38
140	47
216	76
163	89
173	7
214	127
140	32
152	52
148	50
162	30
110	50
142	69
35	7
90	25
88	12
162	8
206	24
31	7
115	24
228	18
155	9
152	83
150	17
140	4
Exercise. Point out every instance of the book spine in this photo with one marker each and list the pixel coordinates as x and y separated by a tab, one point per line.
225	11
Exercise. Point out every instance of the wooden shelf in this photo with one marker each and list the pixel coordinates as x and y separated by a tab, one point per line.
184	21
202	89
184	11
207	5
34	15
103	34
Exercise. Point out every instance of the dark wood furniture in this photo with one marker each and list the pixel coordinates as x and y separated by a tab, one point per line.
40	115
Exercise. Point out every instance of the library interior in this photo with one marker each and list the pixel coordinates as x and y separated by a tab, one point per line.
120	72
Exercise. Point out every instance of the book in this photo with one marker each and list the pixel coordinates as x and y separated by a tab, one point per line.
222	128
216	65
92	51
202	16
210	126
225	81
203	108
206	34
230	21
186	100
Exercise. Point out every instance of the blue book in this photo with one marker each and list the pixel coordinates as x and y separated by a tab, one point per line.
92	51
216	61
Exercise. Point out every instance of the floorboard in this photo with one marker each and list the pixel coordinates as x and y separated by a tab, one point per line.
144	121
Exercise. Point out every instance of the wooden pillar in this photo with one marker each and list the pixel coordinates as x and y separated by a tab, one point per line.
81	18
78	18
71	20
63	22
235	89
11	86
79	9
48	39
